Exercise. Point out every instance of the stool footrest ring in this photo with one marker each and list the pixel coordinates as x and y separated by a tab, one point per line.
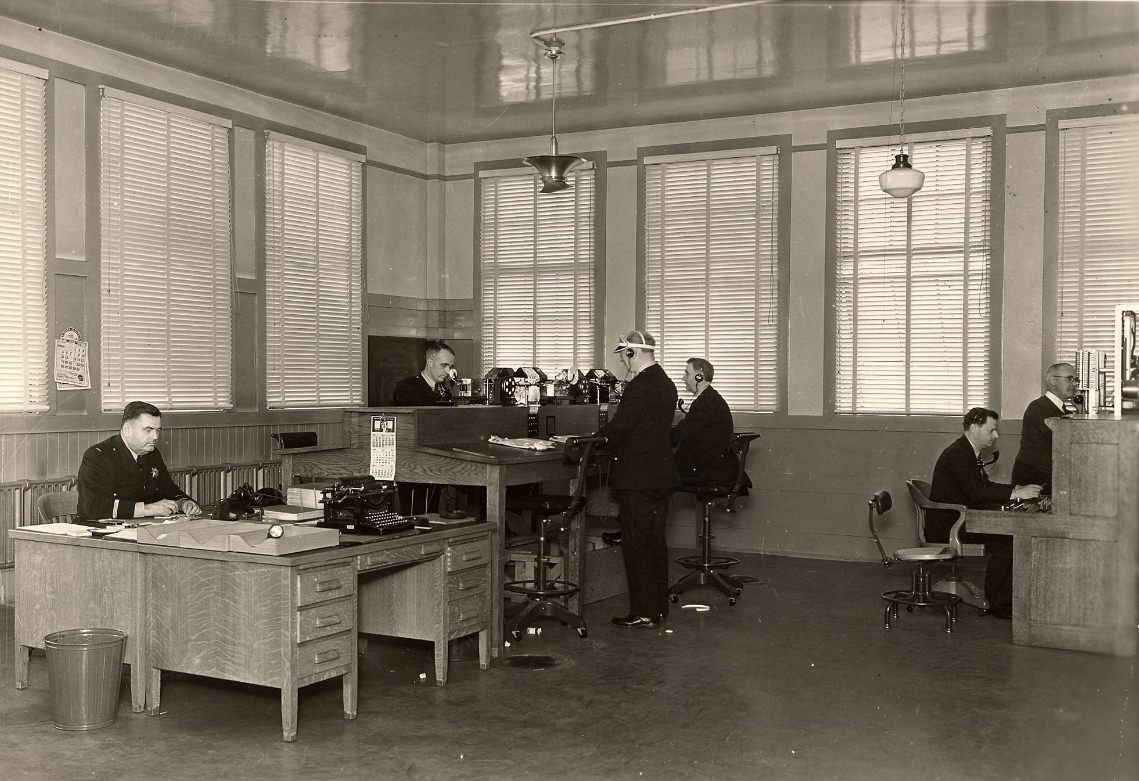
713	562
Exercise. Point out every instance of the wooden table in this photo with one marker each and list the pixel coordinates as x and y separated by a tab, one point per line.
447	446
1076	569
281	621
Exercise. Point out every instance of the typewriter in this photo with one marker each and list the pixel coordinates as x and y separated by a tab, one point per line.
362	506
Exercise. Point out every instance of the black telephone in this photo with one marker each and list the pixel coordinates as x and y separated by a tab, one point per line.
246	503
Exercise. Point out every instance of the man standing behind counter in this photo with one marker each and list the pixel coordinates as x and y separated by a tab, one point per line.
125	477
427	388
643	476
1034	459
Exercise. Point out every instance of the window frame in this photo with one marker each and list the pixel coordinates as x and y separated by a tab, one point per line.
37	400
724	148
481	171
1052	218
996	124
353	155
217	122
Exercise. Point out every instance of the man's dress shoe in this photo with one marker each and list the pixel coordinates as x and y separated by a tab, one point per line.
648	622
611	538
1000	611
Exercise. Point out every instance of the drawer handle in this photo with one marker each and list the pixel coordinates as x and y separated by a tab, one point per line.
326	656
467	586
472	555
324	621
468	615
328	585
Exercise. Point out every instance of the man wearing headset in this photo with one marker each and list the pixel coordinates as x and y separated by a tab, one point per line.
643	476
703	437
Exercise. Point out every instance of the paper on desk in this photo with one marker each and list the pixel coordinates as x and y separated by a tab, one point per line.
524	443
67	529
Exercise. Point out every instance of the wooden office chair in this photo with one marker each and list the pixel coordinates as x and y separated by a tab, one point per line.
919	594
706	567
545	597
58	506
970	593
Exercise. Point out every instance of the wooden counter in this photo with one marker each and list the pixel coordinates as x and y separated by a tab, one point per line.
1076	569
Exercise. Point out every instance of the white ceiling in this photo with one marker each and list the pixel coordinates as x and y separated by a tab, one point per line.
464	70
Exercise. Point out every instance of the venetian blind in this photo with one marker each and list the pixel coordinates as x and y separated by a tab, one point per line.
166	273
23	258
1098	255
712	271
314	280
912	280
537	287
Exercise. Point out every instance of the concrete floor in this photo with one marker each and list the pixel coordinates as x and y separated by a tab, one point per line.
797	681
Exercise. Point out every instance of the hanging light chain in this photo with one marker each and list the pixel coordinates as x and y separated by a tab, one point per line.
553	53
902	87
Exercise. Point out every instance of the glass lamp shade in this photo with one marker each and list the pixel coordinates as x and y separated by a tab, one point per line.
553	170
902	180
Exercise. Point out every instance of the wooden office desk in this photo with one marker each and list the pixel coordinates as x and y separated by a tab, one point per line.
447	445
1076	569
281	621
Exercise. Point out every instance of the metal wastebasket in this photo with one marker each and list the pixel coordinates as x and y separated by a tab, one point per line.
84	668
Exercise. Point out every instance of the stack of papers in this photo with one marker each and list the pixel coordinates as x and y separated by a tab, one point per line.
66	529
525	443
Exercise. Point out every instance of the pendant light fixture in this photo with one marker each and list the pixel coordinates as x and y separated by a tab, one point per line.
902	180
553	168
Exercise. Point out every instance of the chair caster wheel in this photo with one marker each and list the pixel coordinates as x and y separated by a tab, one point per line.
674	597
737	593
731	601
517	635
582	632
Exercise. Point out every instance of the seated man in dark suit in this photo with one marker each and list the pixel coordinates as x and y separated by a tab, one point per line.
1034	459
703	437
125	476
960	478
429	387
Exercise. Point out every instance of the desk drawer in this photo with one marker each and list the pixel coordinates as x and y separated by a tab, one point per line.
327	619
468	582
466	615
327	654
420	551
467	554
322	585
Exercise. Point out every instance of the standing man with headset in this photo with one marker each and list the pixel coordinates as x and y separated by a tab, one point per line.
643	476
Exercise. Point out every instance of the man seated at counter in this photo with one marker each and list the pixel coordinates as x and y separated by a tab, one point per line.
959	477
125	477
429	387
1034	459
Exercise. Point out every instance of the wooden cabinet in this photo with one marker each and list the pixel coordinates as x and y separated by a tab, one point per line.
273	622
1076	569
445	597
